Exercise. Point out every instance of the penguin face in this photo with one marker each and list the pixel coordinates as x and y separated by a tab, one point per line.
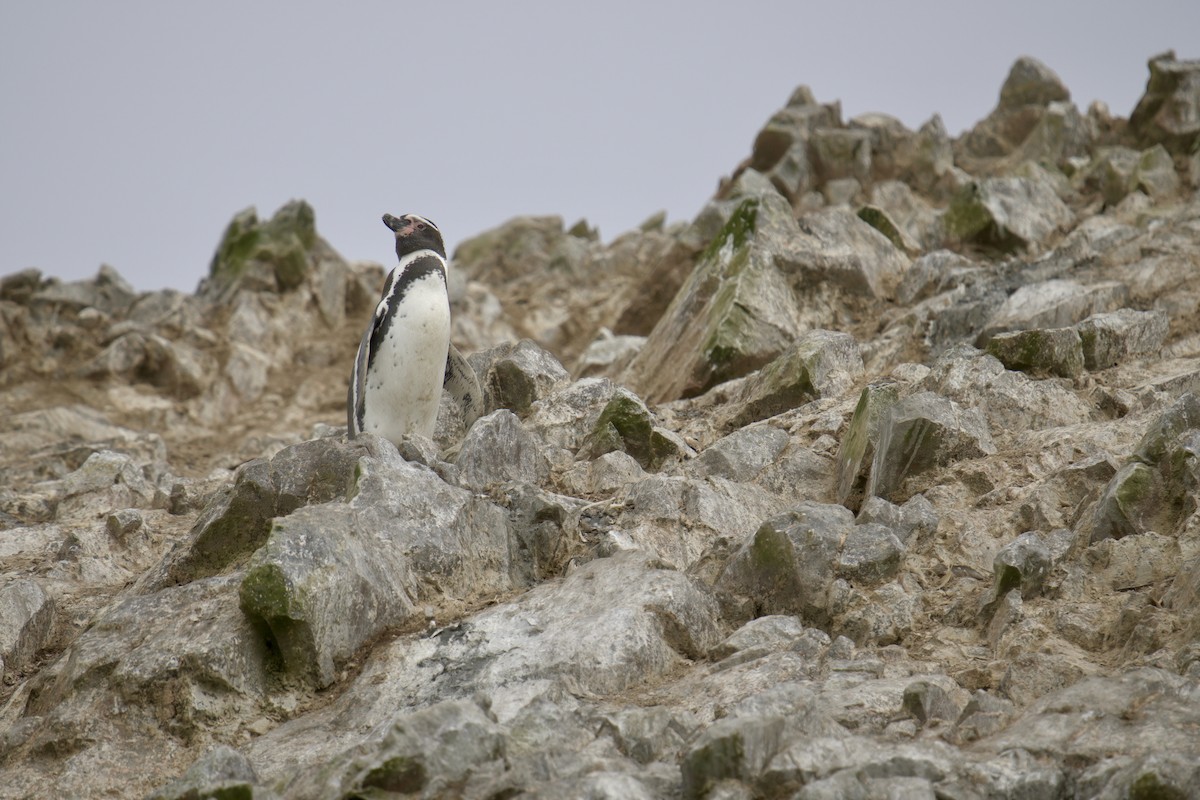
413	233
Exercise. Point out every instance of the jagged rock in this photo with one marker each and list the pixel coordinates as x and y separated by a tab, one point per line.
1031	83
1051	304
626	424
741	455
841	153
735	749
331	577
915	518
788	565
498	449
275	255
1006	213
772	632
1108	338
858	445
734	314
426	752
930	702
26	621
221	772
818	364
923	431
512	250
171	366
1023	565
1169	111
1057	351
608	354
237	521
517	376
835	246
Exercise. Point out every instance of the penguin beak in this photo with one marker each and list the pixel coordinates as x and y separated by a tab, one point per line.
399	225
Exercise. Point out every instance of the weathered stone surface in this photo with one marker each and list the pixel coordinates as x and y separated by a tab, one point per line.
818	364
1053	304
517	376
1169	111
837	247
923	431
1006	213
550	608
499	449
1058	351
325	581
1108	338
26	620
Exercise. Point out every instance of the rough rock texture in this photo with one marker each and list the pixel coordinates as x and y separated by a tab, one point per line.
749	514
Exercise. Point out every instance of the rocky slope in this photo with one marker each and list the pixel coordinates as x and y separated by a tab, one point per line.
877	479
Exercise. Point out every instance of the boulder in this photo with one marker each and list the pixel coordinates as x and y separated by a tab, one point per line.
1108	338
1058	351
1006	214
819	364
517	376
921	432
26	622
1169	112
1056	303
838	248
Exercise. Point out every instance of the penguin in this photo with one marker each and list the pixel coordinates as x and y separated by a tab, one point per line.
405	358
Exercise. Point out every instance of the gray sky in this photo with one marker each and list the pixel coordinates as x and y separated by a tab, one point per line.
133	131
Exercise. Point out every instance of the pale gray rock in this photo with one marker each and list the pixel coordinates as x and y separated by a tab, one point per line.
237	520
1155	175
841	153
1030	82
734	749
930	702
1169	111
330	577
1057	351
857	449
1109	338
221	772
837	247
562	418
1021	565
741	455
515	376
26	622
773	632
923	431
1007	213
819	364
625	423
916	518
499	449
424	753
1055	303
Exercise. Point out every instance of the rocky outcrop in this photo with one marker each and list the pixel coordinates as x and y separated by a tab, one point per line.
748	513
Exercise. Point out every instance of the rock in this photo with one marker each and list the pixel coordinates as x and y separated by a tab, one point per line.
276	255
1169	111
425	752
221	772
626	424
736	749
772	632
1058	351
923	431
915	518
1031	83
497	450
1023	565
733	315
836	246
741	455
1155	175
858	445
1006	213
331	577
237	521
929	702
1108	338
841	153
1053	304
517	376
26	622
788	565
818	364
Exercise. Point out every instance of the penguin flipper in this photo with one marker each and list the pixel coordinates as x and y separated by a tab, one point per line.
463	386
355	395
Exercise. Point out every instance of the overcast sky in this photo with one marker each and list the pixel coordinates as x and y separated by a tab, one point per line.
133	131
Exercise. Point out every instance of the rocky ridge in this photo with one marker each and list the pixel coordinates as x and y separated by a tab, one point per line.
879	478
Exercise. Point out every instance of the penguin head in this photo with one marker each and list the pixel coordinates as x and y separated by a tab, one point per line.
413	233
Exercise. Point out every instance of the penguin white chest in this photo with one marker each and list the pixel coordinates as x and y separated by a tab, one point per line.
404	381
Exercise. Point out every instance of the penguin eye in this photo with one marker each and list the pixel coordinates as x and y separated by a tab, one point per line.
421	226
